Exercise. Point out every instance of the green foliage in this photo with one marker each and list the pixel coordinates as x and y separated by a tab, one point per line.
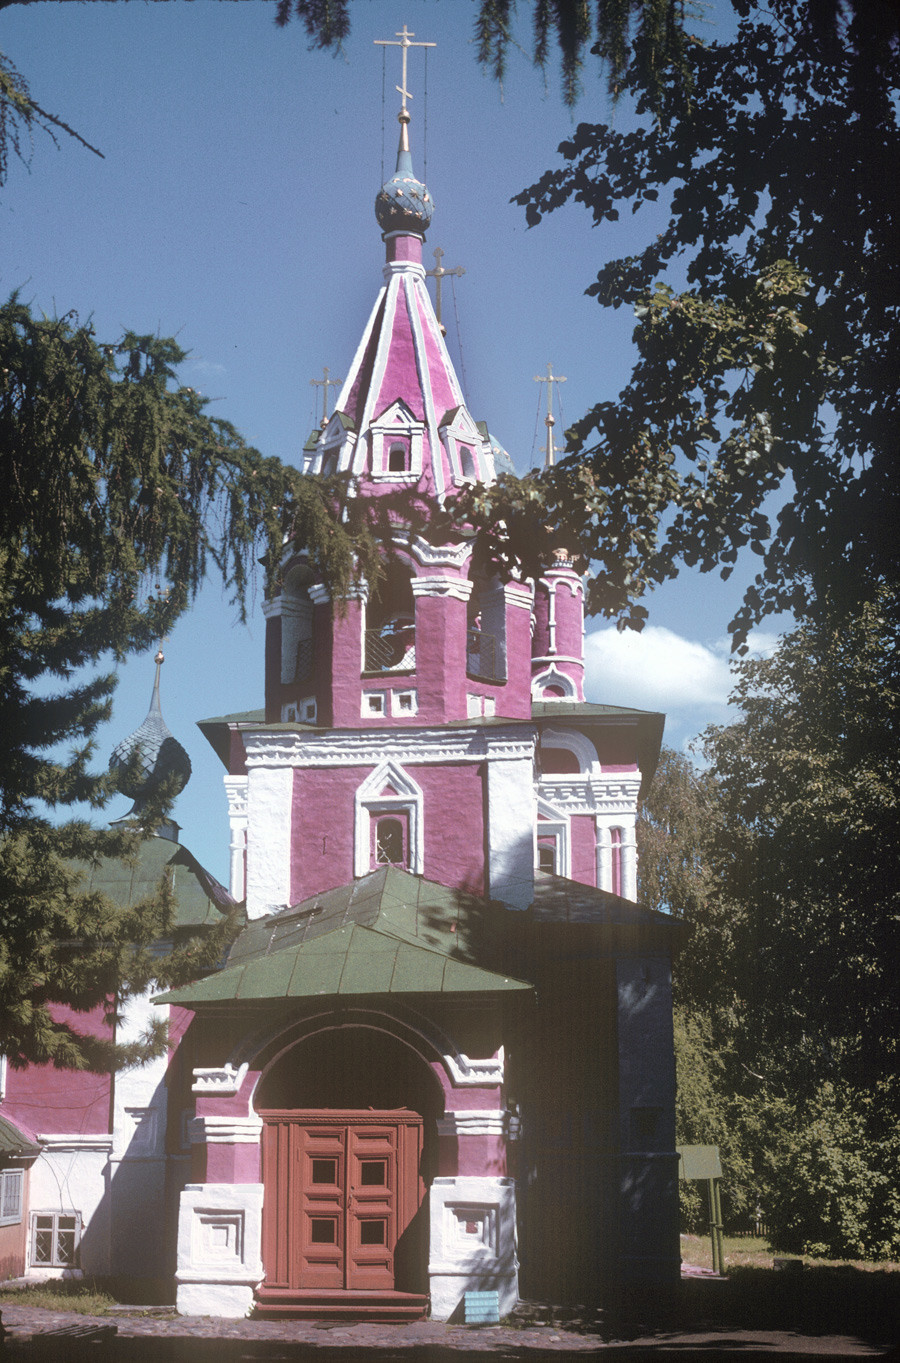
651	33
766	310
119	492
780	854
832	1190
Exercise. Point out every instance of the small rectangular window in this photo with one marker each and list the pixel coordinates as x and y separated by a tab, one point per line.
12	1182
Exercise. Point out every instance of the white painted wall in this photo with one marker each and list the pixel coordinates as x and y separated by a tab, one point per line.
269	800
511	817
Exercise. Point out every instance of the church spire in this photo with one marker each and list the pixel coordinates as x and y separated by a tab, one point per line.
403	204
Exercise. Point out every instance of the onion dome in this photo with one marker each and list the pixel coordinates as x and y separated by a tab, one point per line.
403	204
150	755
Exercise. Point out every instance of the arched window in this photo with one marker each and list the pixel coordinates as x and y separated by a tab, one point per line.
467	463
390	841
617	839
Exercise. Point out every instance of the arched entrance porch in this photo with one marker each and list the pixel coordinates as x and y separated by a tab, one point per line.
349	1147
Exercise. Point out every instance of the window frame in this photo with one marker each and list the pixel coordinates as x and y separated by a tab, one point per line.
12	1176
54	1260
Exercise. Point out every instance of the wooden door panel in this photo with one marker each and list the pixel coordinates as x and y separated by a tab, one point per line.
340	1190
319	1255
371	1206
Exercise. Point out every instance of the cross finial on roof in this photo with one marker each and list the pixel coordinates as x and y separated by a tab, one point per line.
404	44
550	420
438	274
325	382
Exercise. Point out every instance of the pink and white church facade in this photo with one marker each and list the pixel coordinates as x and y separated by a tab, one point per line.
438	1058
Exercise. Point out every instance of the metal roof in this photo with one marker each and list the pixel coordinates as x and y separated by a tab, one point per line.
199	898
14	1142
387	933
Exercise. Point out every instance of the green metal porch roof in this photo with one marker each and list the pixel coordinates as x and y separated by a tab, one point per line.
387	933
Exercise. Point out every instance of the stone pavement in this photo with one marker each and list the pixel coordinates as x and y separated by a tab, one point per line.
165	1338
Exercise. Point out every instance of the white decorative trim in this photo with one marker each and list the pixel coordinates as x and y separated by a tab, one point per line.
578	744
236	793
224	1130
469	1073
319	595
219	1248
223	1080
519	594
269	818
272	609
473	1241
510	819
551	676
350	748
418	301
554	824
408	797
412	267
54	1141
485	1122
440	555
458	587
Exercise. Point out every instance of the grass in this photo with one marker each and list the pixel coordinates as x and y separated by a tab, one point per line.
81	1295
755	1252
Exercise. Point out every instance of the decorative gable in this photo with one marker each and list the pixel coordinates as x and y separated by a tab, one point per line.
388	795
465	447
396	442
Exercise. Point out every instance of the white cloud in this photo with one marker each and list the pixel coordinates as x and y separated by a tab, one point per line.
687	680
656	670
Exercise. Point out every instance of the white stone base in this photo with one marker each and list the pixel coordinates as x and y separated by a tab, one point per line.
473	1242
214	1299
219	1248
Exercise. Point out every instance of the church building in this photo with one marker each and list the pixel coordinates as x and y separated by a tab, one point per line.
438	1059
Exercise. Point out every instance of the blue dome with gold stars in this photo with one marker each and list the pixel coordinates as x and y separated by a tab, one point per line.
403	204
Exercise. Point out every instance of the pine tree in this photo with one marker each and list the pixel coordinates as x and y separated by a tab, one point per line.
119	492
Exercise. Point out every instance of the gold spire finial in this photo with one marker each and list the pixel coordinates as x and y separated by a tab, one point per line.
550	420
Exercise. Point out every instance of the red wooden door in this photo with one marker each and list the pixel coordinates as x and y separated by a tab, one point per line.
340	1189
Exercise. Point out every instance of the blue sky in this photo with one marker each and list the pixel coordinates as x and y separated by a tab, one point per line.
234	209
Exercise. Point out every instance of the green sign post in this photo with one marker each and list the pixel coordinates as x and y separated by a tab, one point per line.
702	1163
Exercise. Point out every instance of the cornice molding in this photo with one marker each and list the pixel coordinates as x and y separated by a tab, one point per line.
408	747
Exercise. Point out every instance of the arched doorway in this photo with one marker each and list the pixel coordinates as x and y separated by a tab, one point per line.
349	1135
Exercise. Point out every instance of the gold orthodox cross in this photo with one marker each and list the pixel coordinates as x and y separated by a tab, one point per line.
326	382
550	420
404	44
438	274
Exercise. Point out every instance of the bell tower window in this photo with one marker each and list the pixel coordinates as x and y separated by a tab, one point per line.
389	841
398	457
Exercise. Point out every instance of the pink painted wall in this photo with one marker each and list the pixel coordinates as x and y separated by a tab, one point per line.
478	1155
322	828
324	810
514	699
221	1163
584	849
441	658
46	1099
346	666
454	824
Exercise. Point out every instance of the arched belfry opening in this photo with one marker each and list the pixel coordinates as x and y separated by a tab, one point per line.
296	626
349	1149
486	627
390	644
